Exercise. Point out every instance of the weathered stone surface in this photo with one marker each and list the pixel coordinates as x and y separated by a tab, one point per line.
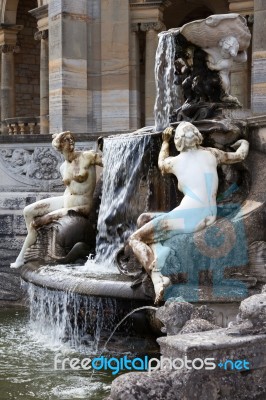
161	385
197	325
203	312
251	318
180	317
6	224
10	286
174	315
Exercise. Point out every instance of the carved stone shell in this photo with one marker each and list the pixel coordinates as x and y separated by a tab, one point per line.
208	32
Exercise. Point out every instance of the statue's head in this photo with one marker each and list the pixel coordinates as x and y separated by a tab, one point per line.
63	140
229	46
187	136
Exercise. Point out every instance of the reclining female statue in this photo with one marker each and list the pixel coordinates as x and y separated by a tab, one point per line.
196	170
79	176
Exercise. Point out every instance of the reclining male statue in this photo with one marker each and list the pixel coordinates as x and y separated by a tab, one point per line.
196	170
79	176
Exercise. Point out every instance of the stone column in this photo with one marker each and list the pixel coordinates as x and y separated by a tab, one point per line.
152	29
7	84
134	95
41	15
44	81
259	58
8	46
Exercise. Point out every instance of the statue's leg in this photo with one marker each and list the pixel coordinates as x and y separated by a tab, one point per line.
141	249
159	281
147	247
37	209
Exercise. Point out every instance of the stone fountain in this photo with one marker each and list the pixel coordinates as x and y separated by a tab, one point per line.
219	264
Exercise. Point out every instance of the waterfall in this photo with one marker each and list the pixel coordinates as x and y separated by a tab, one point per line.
125	192
64	317
167	98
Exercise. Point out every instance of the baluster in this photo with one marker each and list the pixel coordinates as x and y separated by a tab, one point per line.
10	129
21	127
32	127
15	128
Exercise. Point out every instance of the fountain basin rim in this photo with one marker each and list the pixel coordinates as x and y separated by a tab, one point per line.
120	287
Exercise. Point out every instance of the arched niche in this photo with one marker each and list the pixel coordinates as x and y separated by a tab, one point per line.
9	10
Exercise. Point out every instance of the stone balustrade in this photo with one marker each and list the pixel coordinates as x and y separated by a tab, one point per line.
23	125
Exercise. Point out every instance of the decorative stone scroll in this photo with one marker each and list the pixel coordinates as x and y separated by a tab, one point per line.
10	48
157	26
39	35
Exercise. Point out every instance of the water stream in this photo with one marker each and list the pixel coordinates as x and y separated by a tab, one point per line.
124	193
167	96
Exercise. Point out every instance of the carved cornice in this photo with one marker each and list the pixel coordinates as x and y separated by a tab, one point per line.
155	26
150	3
40	12
41	35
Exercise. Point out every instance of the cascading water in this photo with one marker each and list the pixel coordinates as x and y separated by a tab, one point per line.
63	317
125	193
167	97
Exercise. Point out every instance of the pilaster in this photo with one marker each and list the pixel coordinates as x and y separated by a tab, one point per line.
68	49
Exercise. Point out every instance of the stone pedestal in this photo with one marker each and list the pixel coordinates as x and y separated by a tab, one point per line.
207	365
259	58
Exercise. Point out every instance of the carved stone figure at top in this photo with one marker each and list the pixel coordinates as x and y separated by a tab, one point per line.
196	170
198	58
225	38
79	176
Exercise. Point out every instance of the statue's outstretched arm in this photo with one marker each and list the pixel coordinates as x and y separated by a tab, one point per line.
223	157
94	158
164	161
98	160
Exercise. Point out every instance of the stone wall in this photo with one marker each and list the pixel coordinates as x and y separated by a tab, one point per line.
27	63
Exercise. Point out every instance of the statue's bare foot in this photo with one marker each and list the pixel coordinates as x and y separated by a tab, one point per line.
159	287
231	99
159	296
17	264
